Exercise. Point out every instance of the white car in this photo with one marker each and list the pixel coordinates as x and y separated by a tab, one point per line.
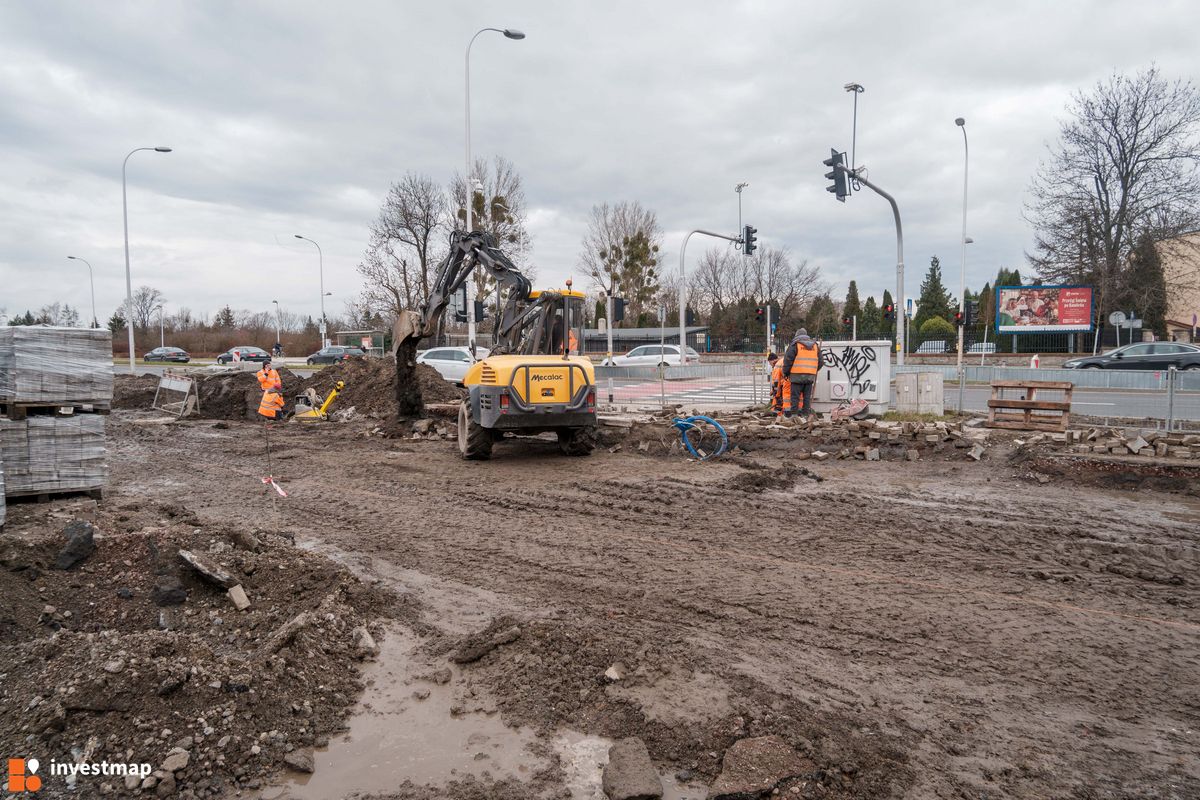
451	363
652	355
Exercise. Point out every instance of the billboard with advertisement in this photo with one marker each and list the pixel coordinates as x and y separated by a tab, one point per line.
1029	309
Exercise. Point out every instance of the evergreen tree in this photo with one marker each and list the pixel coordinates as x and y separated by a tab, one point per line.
934	301
987	306
872	319
225	318
852	307
116	323
1146	294
888	327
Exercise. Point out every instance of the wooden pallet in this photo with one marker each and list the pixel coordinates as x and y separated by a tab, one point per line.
39	496
19	411
1026	412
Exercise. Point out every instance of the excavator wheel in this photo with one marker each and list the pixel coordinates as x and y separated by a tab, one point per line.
474	440
577	441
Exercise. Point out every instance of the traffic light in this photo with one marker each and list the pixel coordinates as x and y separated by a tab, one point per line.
958	319
889	312
480	311
836	163
972	313
759	313
847	322
618	309
749	240
689	317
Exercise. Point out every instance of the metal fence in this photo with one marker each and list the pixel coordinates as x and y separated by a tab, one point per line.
702	386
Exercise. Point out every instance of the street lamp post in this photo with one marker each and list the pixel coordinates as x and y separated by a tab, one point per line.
128	279
321	268
510	33
278	325
962	275
162	332
92	281
683	287
738	189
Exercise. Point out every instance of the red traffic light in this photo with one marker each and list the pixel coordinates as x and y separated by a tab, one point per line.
759	313
958	318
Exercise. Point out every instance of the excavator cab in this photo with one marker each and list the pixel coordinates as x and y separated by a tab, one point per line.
536	384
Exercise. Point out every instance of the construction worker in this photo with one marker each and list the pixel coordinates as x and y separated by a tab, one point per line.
271	405
781	387
801	362
572	342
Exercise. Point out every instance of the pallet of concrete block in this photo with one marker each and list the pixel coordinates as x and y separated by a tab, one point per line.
2	506
49	454
42	366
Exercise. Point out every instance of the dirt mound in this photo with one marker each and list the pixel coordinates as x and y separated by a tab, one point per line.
757	479
227	394
134	391
371	385
90	657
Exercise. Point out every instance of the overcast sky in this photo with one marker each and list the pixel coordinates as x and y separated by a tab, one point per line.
294	117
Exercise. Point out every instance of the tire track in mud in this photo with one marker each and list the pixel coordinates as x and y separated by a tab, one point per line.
973	667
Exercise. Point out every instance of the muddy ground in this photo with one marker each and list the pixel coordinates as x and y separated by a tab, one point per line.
939	628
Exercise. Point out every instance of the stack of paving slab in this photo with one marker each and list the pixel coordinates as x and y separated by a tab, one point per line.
53	381
42	366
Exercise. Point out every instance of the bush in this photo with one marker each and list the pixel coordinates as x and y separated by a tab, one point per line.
936	328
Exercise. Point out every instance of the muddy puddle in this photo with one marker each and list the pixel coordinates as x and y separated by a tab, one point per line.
406	729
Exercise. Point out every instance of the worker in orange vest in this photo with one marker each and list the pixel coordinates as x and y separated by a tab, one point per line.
801	362
572	343
272	400
781	387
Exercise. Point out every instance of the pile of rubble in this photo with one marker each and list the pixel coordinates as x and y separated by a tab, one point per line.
1110	441
820	438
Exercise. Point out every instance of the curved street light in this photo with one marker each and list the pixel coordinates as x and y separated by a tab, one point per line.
321	267
92	281
128	280
509	33
962	276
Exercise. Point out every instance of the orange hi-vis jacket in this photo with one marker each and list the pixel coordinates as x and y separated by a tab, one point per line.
807	361
781	387
272	399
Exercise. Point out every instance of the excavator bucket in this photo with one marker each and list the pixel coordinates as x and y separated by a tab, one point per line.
408	326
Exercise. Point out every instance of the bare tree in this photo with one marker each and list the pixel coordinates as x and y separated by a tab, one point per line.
1125	168
715	279
622	249
402	253
498	207
146	300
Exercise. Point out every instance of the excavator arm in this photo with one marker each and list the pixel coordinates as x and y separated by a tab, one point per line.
467	252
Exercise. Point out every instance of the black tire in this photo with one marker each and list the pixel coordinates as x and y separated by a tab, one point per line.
1191	367
474	440
577	441
1091	366
310	362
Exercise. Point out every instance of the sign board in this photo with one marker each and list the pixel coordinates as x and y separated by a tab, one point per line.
366	342
1116	318
908	307
1028	309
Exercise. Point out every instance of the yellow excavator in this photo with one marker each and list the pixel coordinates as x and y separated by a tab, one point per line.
530	382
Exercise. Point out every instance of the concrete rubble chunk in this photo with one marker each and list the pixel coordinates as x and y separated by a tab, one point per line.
873	454
912	455
365	645
752	768
976	452
300	759
208	569
630	774
820	455
238	596
176	760
474	649
80	544
1137	445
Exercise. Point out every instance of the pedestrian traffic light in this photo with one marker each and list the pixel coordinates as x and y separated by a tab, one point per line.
889	312
480	311
958	319
759	313
689	316
618	309
749	240
847	321
836	163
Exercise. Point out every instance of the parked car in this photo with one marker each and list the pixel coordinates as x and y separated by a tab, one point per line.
982	347
175	354
1142	355
332	355
247	352
932	347
451	363
653	355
